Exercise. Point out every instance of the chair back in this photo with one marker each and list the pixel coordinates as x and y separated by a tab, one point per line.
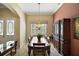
38	44
39	49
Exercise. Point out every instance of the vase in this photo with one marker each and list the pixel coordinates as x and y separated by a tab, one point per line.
39	39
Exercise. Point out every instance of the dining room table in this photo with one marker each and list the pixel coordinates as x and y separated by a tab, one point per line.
35	40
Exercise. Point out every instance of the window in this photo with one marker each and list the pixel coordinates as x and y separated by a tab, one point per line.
10	27
1	27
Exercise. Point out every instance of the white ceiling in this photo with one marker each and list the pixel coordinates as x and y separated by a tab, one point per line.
34	8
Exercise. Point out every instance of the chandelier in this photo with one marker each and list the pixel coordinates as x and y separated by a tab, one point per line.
39	25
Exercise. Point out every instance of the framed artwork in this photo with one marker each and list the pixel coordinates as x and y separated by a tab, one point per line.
10	27
76	27
1	27
42	29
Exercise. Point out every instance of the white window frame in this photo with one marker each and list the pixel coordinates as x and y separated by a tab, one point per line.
1	27
10	27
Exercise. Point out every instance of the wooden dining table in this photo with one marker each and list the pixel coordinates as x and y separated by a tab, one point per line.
35	40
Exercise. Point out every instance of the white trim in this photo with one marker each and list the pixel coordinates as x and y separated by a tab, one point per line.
57	8
10	8
10	27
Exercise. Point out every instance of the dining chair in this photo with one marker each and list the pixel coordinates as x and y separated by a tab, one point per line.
39	49
15	48
29	39
13	52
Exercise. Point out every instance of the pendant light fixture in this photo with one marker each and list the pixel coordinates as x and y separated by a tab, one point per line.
39	25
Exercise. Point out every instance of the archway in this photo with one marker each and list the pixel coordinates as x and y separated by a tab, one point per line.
16	10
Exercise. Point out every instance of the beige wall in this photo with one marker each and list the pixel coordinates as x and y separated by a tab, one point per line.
6	14
35	19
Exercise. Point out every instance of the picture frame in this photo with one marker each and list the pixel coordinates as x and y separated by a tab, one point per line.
76	27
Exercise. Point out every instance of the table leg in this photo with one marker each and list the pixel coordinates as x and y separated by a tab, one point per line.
48	50
29	50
